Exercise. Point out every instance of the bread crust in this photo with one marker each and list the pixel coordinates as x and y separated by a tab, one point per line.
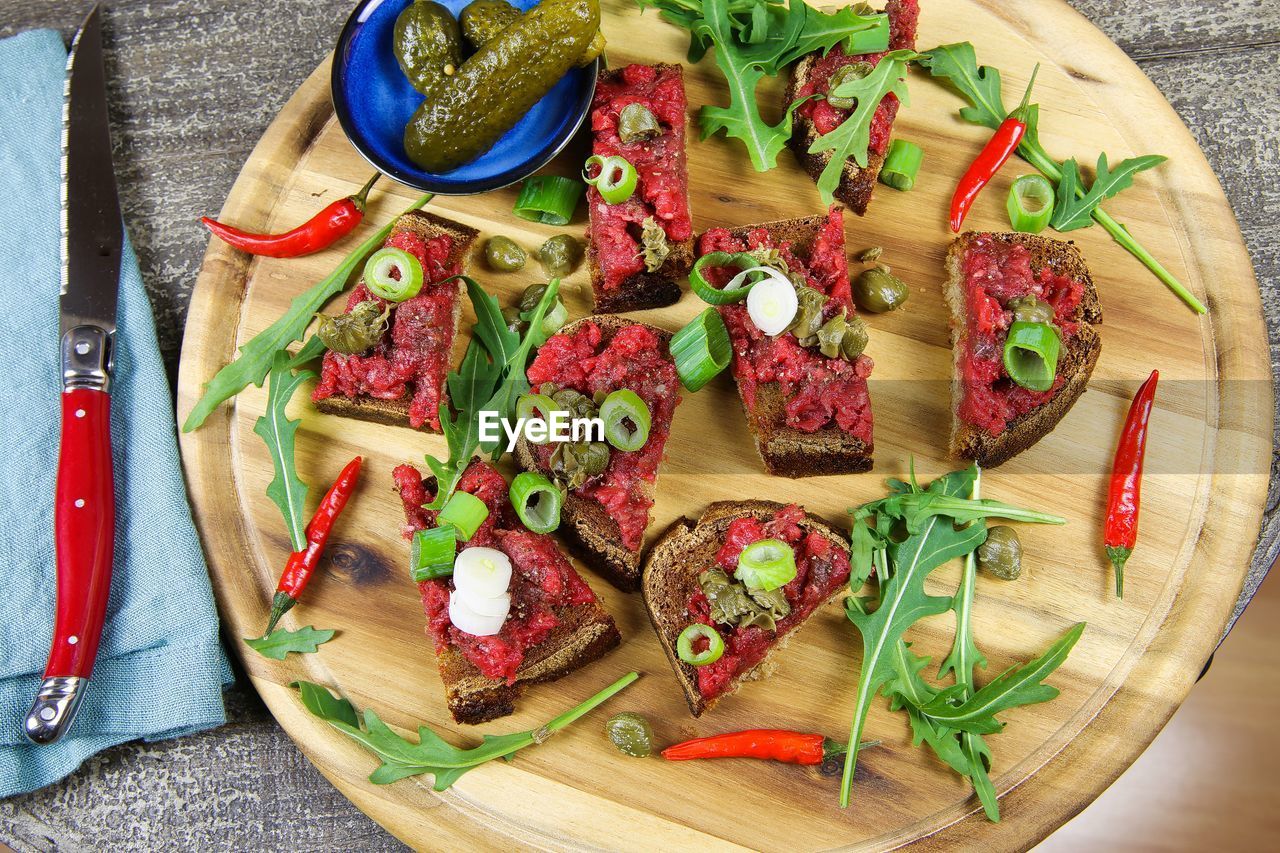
396	412
671	575
787	451
644	289
584	524
1076	360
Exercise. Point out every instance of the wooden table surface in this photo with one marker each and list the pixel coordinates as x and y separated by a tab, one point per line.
194	84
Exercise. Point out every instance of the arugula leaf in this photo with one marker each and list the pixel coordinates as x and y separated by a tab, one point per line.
254	362
286	490
853	137
280	642
432	754
1074	210
314	348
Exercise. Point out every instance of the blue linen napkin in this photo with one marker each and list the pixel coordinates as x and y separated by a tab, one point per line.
161	668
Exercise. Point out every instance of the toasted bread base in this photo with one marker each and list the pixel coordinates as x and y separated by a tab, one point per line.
786	451
584	524
645	289
1076	361
396	412
671	575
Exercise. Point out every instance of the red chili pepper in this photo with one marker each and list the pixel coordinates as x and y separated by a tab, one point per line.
995	154
319	232
1125	495
771	744
302	564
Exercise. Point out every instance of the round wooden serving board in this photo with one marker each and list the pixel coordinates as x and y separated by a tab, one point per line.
1207	472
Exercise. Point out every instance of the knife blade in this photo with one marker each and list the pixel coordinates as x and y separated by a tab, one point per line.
84	504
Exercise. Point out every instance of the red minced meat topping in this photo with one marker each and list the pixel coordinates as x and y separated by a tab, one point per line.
413	357
821	569
820	391
634	359
662	190
903	18
542	580
995	273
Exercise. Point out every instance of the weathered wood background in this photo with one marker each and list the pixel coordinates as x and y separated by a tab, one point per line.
194	84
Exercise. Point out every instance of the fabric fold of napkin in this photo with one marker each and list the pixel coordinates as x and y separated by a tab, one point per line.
160	669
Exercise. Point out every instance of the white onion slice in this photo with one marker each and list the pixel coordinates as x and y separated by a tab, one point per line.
469	622
497	606
772	304
482	572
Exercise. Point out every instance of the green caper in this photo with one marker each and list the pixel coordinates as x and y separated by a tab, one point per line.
511	316
808	321
1001	554
503	254
1028	309
855	340
631	734
560	255
573	463
878	290
531	296
579	405
844	74
357	331
871	254
636	124
654	247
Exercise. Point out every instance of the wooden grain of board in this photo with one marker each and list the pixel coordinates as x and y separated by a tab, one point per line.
1136	661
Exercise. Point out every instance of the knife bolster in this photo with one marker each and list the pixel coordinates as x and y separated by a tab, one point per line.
87	358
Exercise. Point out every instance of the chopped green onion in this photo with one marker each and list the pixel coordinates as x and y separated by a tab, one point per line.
698	631
536	407
617	409
901	165
405	284
549	199
432	553
1030	204
766	565
555	319
464	511
1031	355
537	501
701	349
615	178
738	287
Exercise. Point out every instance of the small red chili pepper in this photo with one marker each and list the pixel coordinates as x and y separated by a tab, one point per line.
1125	495
994	154
302	564
771	744
319	232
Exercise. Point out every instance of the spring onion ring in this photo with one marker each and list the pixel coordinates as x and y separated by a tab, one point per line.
408	278
766	565
1030	204
739	286
772	304
617	409
698	631
536	407
901	165
537	501
549	199
432	552
615	178
1031	355
464	511
701	350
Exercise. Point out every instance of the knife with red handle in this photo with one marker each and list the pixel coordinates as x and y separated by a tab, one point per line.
84	503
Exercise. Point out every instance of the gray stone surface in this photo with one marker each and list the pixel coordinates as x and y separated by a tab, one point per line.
195	83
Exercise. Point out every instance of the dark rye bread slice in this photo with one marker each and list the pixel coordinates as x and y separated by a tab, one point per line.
396	412
585	524
1075	362
787	451
671	574
643	289
586	633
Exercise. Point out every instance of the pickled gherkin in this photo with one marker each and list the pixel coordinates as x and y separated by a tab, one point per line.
483	19
428	44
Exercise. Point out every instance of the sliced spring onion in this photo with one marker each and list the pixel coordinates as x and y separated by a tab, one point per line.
466	512
1030	204
482	572
766	565
701	349
536	407
393	274
901	164
738	287
615	178
467	620
773	303
689	636
432	553
619	408
1031	355
537	501
549	199
498	605
555	319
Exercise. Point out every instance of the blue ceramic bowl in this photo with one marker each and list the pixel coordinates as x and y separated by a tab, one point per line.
374	101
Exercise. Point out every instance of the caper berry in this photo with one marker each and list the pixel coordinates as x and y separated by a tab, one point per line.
1028	309
503	254
531	296
1001	554
843	74
871	254
511	316
631	734
357	331
560	255
637	123
878	290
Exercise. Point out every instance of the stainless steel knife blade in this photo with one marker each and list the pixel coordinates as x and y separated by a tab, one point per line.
92	232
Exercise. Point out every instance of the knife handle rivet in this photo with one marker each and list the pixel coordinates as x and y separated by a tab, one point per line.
47	713
80	413
79	503
83	347
72	640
